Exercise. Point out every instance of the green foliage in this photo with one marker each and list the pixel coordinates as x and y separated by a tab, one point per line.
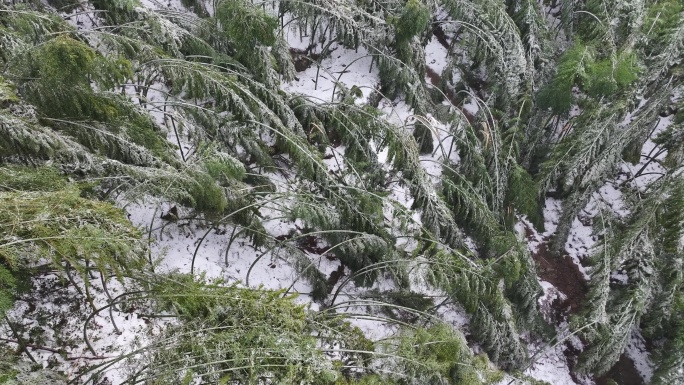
436	354
672	140
8	284
438	348
469	205
64	228
414	19
662	18
67	62
522	196
44	218
671	358
423	136
232	334
493	322
663	318
572	68
249	30
13	178
206	195
671	218
406	303
615	310
7	93
249	148
609	76
222	167
582	66
246	25
117	11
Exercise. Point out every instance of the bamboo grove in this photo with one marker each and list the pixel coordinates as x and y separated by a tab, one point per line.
567	92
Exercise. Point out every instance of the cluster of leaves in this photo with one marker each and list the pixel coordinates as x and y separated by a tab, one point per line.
579	67
46	220
230	334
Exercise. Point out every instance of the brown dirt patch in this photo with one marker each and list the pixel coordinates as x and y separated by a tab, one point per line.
565	275
562	273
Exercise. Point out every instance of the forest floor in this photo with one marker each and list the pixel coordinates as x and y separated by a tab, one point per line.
565	275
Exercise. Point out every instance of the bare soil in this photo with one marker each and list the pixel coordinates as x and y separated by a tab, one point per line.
565	275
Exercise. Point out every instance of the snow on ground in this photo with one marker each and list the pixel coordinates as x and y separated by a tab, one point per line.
362	310
472	106
580	243
179	243
164	4
55	319
637	352
176	244
344	66
435	56
549	362
550	295
582	239
526	231
396	112
552	212
550	365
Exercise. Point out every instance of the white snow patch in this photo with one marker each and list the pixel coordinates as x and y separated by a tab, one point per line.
551	366
435	56
344	66
57	315
580	244
550	292
619	276
179	243
637	352
552	211
472	106
397	112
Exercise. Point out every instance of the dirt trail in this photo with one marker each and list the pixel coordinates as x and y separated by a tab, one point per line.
562	273
565	275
